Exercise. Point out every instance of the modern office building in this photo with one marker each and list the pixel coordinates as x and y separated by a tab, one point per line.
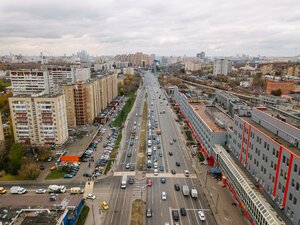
39	120
222	66
267	144
31	82
201	55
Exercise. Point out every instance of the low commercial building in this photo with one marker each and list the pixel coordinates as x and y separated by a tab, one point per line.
40	119
208	123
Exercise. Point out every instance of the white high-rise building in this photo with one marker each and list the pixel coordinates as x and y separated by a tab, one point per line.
31	82
222	66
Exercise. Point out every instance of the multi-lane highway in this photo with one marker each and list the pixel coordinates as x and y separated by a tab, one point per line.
160	111
159	116
121	199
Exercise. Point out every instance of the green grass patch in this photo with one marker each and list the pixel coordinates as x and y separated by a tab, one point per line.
121	118
9	177
55	174
83	215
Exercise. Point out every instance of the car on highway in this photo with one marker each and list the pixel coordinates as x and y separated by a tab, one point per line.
149	182
131	180
201	215
104	205
186	173
90	196
170	153
177	187
129	154
173	171
177	163
149	212
163	195
163	180
41	191
175	215
131	167
161	168
127	166
171	142
160	154
155	172
183	211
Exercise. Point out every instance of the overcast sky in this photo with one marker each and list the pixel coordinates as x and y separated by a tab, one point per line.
163	27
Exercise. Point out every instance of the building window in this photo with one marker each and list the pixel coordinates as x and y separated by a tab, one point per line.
290	197
297	186
295	201
295	168
283	159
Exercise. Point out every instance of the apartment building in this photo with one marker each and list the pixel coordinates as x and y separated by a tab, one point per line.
85	100
39	119
31	82
222	66
268	146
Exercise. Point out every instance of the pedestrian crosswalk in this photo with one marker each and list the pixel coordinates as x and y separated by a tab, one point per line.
151	175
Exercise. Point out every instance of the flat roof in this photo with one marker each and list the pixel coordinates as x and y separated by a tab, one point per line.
275	138
290	119
202	111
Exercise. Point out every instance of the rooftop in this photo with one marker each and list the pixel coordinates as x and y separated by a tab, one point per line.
275	138
212	116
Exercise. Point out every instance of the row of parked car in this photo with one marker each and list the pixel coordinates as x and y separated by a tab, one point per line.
101	163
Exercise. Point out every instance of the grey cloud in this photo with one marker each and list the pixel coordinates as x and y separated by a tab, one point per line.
152	26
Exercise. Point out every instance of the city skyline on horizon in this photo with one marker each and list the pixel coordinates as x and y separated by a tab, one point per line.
268	28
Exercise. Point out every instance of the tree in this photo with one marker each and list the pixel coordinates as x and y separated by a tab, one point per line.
29	170
258	81
15	157
277	92
120	89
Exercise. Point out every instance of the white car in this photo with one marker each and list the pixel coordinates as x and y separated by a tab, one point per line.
90	196
127	166
163	195
41	191
186	173
201	215
155	172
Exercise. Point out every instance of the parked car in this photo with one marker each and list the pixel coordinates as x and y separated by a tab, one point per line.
68	175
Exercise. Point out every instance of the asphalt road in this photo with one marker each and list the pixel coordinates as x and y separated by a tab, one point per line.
175	200
121	199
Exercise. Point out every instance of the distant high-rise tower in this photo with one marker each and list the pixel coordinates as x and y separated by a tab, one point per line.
201	55
222	66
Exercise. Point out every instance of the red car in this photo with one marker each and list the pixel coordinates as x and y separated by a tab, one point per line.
149	182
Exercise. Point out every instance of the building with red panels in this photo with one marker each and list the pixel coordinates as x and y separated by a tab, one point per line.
285	86
268	146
